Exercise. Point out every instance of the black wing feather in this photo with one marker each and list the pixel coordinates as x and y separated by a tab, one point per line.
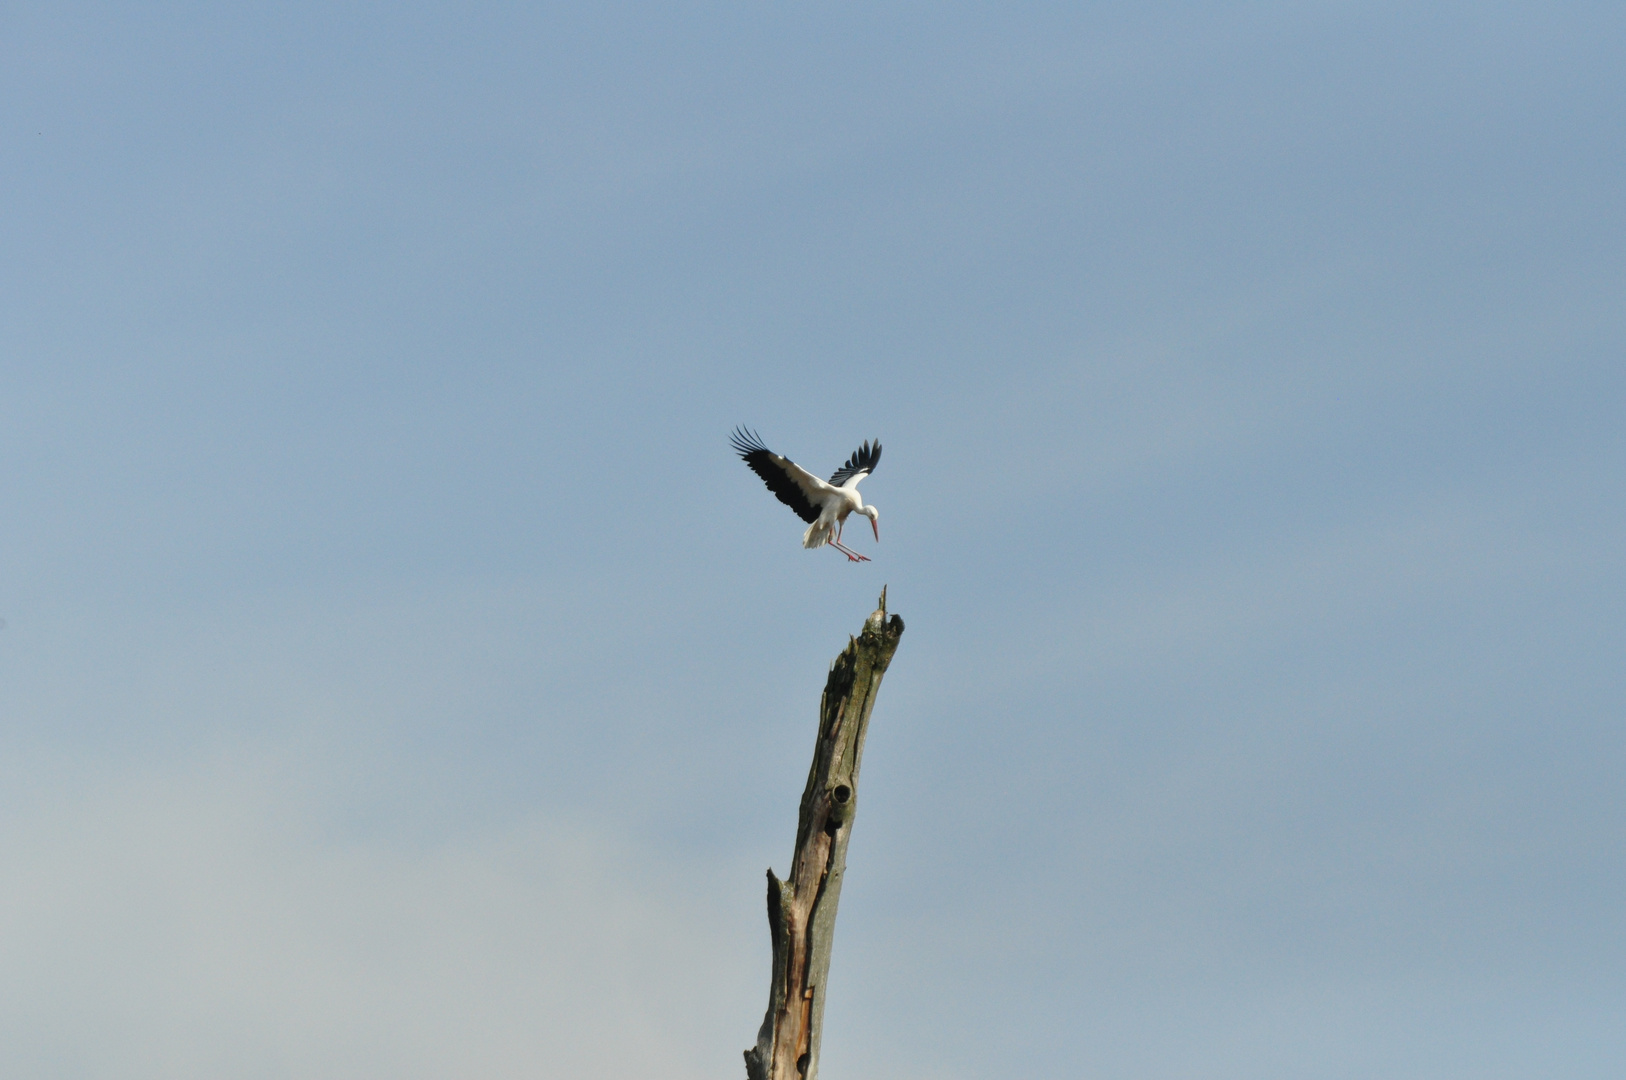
864	460
761	459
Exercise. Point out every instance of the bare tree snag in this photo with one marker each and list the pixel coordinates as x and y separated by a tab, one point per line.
802	909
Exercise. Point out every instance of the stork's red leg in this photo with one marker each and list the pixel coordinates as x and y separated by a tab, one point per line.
852	555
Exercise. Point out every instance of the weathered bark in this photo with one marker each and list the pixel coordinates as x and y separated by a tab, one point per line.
802	909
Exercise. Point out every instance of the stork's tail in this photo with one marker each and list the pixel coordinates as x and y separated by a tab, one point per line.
817	535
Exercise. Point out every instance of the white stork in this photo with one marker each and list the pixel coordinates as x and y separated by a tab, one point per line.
824	506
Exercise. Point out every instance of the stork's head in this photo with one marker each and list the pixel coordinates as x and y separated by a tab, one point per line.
874	516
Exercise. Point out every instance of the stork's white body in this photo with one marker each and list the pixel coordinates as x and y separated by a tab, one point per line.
837	503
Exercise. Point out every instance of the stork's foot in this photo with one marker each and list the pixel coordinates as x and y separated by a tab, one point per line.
852	556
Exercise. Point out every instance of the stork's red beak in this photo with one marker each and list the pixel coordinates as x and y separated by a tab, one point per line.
875	527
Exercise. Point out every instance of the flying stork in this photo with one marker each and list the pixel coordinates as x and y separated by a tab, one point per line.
824	506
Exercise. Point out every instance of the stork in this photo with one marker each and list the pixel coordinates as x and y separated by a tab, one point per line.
824	506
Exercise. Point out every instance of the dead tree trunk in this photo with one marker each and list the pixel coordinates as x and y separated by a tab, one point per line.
802	910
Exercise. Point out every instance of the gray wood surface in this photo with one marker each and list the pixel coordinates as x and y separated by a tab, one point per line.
802	908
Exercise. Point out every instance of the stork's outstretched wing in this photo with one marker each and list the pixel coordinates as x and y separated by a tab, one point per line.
791	484
861	464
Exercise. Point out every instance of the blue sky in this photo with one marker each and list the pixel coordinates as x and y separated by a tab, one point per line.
400	677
